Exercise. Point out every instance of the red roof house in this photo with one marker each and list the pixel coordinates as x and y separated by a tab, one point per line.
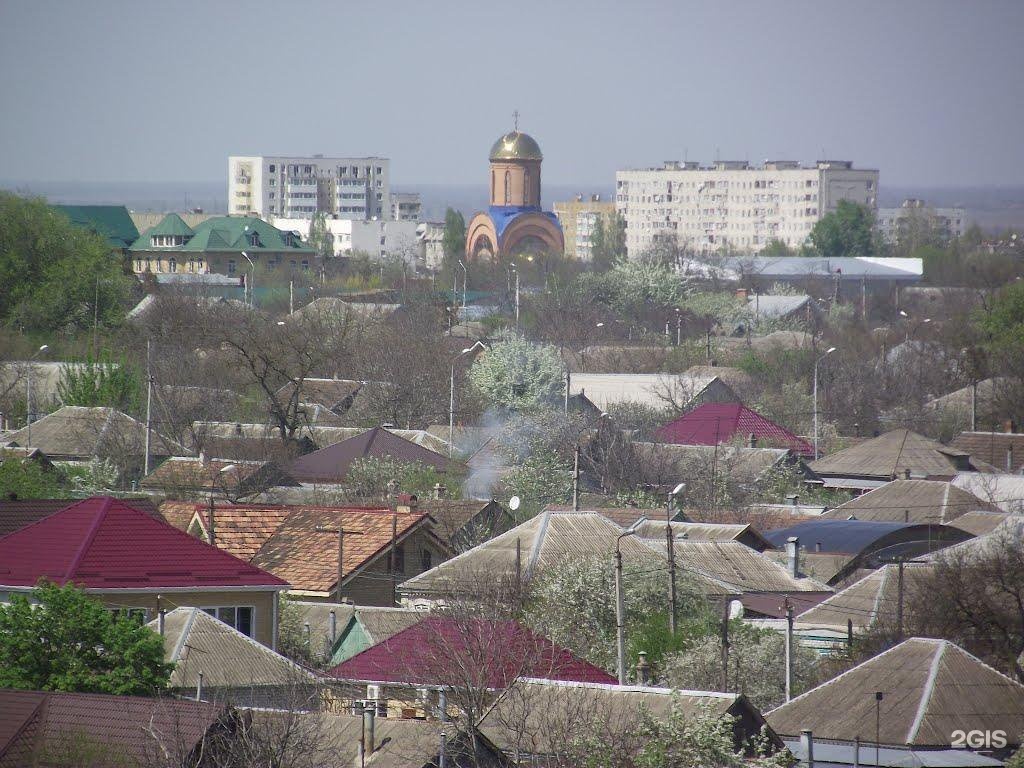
441	650
716	423
331	464
132	560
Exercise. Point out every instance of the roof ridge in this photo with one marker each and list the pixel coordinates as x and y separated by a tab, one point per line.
885	573
537	544
98	518
926	694
180	645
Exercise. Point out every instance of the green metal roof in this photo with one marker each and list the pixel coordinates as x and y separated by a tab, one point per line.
226	233
110	221
172	224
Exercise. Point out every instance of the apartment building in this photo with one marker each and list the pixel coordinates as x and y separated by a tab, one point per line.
298	187
406	206
380	239
579	218
894	222
732	205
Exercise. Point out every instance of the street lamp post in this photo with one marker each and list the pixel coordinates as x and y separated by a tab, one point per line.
620	610
670	549
465	280
252	280
28	394
451	398
828	352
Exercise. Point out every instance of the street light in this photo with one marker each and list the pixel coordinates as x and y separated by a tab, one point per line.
252	278
451	401
670	550
828	352
28	394
620	610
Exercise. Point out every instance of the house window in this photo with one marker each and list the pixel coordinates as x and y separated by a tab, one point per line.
239	617
172	265
272	168
399	559
426	560
305	264
231	266
137	615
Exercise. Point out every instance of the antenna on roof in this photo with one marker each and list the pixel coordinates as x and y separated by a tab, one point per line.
515	121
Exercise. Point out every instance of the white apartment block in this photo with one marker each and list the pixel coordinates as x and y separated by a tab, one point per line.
298	187
731	205
948	222
395	239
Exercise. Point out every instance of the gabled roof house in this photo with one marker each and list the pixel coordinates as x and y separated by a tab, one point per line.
130	560
717	423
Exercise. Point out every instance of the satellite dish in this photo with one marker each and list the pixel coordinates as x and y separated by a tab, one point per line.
735	609
513	503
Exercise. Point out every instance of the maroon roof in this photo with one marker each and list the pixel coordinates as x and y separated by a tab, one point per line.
331	464
33	722
715	423
103	543
17	513
444	649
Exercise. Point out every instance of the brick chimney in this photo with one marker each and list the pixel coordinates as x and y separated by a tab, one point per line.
438	491
741	293
752	440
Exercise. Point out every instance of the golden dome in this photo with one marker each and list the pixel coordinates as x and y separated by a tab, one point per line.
516	146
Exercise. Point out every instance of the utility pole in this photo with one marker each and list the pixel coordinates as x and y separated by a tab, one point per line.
620	611
576	479
340	530
568	382
291	296
899	602
725	644
670	549
789	649
149	406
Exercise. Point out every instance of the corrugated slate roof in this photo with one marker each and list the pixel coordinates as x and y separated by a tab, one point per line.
910	501
979	523
741	532
869	600
1004	450
196	642
103	543
930	688
77	431
500	651
889	455
331	464
715	423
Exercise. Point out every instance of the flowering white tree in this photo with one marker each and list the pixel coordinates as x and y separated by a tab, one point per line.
518	374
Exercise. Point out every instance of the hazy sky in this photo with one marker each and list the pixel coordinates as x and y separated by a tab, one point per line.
929	92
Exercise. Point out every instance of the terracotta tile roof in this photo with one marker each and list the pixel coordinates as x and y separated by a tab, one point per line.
716	423
18	513
913	501
35	722
499	651
103	543
331	464
179	513
241	530
931	688
308	560
195	642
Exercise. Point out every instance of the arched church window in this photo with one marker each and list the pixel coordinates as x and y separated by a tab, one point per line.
508	188
526	187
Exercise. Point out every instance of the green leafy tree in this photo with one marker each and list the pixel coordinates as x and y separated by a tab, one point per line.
320	240
608	242
518	374
540	479
93	384
28	480
56	276
846	231
454	241
372	477
64	640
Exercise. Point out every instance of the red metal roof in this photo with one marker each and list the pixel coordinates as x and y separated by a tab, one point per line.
715	423
444	649
103	543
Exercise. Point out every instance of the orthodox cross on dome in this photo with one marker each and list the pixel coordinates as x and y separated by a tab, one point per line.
515	121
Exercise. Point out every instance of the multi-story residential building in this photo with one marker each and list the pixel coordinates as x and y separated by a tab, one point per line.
377	238
731	205
579	218
406	206
894	222
298	187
